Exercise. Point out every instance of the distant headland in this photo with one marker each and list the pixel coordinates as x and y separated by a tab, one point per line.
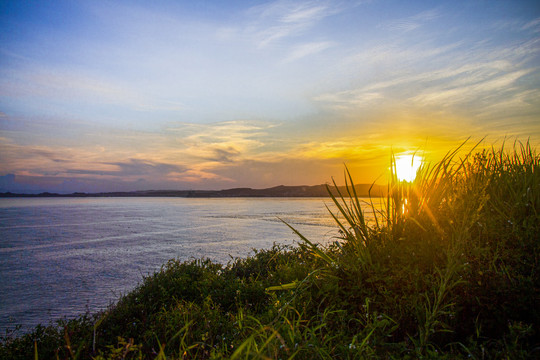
362	190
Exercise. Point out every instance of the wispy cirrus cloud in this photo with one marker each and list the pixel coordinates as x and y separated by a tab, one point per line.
412	22
470	90
307	49
282	19
533	25
79	87
455	75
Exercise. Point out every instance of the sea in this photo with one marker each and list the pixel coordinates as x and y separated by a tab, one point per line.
62	257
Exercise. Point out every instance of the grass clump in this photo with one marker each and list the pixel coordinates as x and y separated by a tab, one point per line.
448	268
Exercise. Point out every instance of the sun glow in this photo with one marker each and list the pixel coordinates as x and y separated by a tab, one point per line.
407	166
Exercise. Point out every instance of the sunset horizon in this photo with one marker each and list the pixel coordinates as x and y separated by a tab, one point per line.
98	96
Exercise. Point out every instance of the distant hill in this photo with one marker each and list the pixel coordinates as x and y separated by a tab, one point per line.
277	191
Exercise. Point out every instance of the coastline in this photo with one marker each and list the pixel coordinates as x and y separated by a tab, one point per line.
362	190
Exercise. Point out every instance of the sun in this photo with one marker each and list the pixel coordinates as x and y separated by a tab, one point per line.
407	166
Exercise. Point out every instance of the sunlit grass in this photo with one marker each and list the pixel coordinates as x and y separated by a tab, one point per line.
446	268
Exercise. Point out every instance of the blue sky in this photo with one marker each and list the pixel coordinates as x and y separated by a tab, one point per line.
132	95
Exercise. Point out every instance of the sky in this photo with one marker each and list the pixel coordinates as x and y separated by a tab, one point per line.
136	95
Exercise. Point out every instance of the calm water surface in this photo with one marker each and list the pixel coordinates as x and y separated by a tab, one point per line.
62	256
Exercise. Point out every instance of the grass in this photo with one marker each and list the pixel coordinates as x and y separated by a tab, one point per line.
448	269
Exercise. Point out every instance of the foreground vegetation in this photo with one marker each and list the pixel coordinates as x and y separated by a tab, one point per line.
448	269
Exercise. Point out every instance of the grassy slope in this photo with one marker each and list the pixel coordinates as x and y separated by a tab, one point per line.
452	272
